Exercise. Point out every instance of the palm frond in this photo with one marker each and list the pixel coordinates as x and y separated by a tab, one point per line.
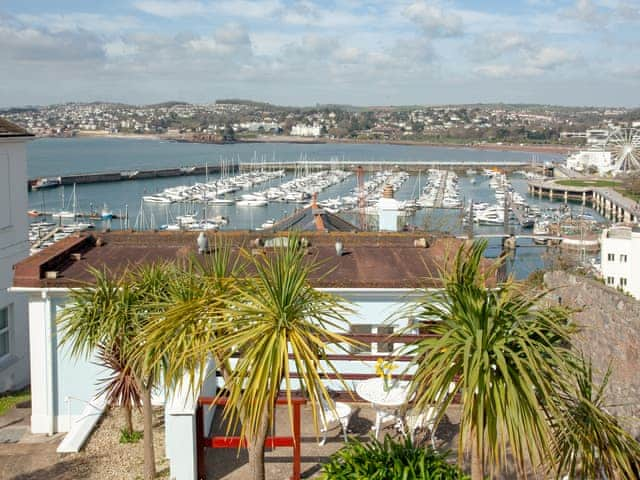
589	442
502	352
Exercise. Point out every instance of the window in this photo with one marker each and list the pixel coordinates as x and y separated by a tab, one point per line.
610	281
611	257
623	258
4	332
385	347
623	282
359	329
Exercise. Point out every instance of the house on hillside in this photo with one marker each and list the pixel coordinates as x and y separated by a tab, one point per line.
620	258
14	245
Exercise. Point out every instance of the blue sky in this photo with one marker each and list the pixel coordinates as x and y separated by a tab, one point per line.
302	52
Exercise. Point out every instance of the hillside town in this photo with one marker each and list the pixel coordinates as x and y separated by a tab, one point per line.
228	120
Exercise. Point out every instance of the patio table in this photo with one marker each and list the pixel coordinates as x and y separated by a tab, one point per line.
388	405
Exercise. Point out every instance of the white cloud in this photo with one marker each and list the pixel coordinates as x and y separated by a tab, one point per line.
587	11
22	44
172	9
119	48
226	40
348	55
248	8
627	11
92	22
494	44
434	19
530	63
549	58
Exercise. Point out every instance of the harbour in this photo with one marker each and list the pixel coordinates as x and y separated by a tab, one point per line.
243	209
199	170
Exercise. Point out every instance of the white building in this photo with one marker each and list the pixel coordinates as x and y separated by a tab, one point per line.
597	136
379	274
14	246
301	130
583	160
620	253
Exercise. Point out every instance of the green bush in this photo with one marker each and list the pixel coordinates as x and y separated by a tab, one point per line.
130	437
389	460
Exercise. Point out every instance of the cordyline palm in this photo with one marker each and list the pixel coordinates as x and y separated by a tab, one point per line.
96	321
503	354
119	387
107	317
589	442
251	323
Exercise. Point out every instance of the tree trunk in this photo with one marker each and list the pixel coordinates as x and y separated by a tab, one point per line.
128	420
256	450
477	460
149	455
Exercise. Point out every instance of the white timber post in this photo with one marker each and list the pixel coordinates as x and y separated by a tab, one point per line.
181	442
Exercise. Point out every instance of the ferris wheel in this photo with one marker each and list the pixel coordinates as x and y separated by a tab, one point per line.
624	145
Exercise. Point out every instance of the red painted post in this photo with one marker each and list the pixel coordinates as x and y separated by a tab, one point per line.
296	441
202	469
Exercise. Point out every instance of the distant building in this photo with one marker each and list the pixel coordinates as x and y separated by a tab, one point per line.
583	160
301	130
14	245
620	253
597	136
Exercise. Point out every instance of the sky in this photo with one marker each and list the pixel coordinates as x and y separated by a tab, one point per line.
304	52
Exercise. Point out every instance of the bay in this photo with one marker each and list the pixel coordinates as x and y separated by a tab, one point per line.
53	157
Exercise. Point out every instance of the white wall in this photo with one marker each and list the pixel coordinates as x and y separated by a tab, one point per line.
616	243
14	246
61	386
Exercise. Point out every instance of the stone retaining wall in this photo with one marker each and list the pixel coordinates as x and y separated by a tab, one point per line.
610	333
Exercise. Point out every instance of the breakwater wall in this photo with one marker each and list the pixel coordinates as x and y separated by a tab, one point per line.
373	166
125	175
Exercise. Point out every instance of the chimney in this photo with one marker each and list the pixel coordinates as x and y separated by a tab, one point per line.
317	213
388	211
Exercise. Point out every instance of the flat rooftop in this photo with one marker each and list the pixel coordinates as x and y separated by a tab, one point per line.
370	260
8	129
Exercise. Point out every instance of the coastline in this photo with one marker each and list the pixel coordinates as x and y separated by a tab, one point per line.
128	136
543	148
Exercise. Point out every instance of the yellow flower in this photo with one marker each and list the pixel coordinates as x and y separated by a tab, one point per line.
379	367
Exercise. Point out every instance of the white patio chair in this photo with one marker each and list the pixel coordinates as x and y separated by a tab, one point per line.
330	418
417	420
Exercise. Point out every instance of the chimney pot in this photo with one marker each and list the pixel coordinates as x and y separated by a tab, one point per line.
203	243
421	243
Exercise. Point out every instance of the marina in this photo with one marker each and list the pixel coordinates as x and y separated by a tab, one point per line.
199	170
259	201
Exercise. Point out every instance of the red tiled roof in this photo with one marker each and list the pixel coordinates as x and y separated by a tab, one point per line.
370	260
8	129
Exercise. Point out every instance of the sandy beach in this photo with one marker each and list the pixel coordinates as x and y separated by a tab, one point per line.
552	149
560	149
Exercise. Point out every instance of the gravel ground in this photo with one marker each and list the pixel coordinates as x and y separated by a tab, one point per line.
105	458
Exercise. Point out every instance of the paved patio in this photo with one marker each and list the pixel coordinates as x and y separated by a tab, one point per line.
231	464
